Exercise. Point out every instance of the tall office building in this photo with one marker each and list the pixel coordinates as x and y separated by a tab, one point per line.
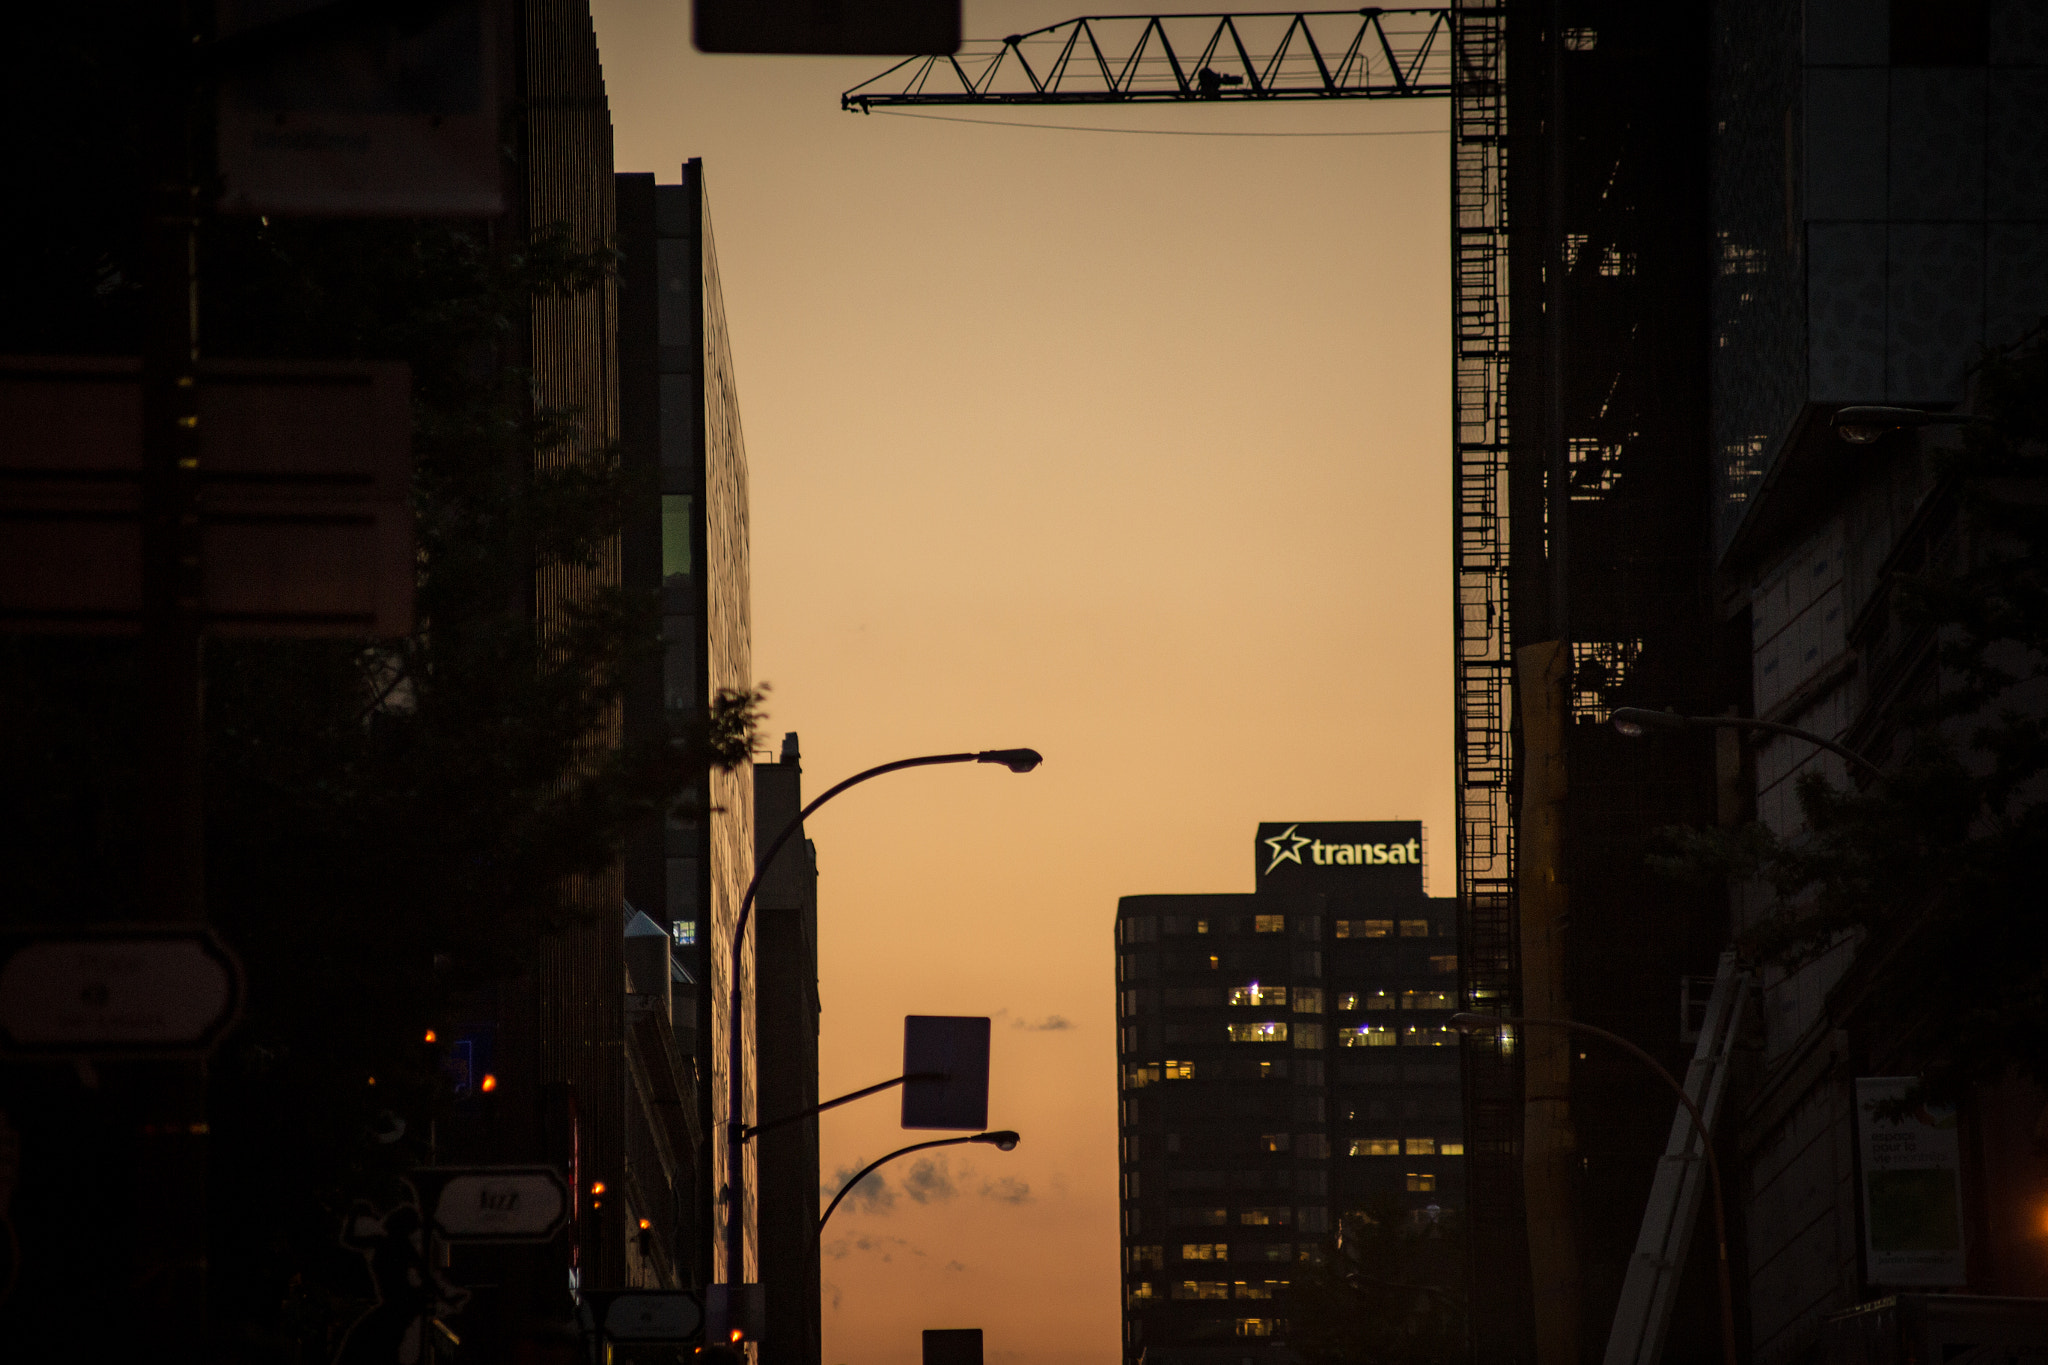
679	420
1285	1059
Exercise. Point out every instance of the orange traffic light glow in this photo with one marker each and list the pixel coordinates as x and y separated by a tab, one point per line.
737	1334
645	1224
430	1035
597	1187
488	1084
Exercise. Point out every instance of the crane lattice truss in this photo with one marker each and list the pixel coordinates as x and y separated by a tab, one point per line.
1459	51
1140	58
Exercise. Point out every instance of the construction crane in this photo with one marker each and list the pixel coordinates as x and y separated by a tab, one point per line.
1456	52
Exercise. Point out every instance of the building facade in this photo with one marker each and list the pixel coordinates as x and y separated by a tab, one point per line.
1880	218
680	422
1284	1059
786	1043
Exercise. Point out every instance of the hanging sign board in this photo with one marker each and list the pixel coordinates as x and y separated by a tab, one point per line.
122	991
945	1065
336	110
1912	1188
495	1203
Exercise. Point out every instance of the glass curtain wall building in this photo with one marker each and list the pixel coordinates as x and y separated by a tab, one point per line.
1284	1059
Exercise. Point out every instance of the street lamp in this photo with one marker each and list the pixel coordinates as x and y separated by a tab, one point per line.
1867	423
1637	721
1468	1023
1017	761
1003	1141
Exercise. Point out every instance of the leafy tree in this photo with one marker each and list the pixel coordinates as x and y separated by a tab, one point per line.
1387	1290
1935	871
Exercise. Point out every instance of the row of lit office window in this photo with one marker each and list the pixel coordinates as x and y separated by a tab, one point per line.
1310	999
1147	928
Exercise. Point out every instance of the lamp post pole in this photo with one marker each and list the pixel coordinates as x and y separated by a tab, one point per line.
736	1133
1473	1023
1637	721
1003	1141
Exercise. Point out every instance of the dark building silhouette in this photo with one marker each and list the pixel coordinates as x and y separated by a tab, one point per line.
1284	1059
786	1044
679	421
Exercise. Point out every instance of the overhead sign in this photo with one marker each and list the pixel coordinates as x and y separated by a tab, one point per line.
859	28
647	1314
955	1049
496	1203
119	991
1912	1188
305	508
366	110
1289	855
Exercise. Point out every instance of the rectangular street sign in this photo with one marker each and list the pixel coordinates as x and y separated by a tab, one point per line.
955	1047
352	111
306	502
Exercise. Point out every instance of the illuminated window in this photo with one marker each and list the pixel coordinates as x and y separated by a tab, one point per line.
1414	928
1204	1251
1264	1218
1255	1289
1308	1035
1274	1142
1421	1182
1201	926
1257	1327
1375	1146
1214	962
1426	1000
1141	1294
1450	1149
1266	1032
685	931
1421	1146
1255	994
1178	1071
1269	924
1348	1000
1202	1289
1274	1071
1372	928
1282	1252
1138	1077
1365	1035
1422	1035
1447	962
675	535
1308	1000
1378	1000
1142	1258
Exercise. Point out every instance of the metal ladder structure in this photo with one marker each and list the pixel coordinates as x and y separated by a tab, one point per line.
1643	1317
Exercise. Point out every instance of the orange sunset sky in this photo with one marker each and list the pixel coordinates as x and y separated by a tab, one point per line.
1133	449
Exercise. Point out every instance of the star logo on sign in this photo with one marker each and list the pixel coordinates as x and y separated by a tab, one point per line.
1287	847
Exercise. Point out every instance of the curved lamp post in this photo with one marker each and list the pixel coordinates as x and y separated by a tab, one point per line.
1017	761
1473	1023
1637	721
1002	1141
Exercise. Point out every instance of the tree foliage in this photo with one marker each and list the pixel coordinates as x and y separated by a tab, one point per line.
1388	1290
1935	871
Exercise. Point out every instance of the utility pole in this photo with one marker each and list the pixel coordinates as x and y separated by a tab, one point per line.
171	1170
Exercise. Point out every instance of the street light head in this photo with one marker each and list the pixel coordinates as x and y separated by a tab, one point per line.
1867	423
1003	1141
1637	721
1468	1024
1016	760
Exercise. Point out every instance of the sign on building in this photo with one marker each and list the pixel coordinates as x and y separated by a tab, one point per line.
353	111
1912	1187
